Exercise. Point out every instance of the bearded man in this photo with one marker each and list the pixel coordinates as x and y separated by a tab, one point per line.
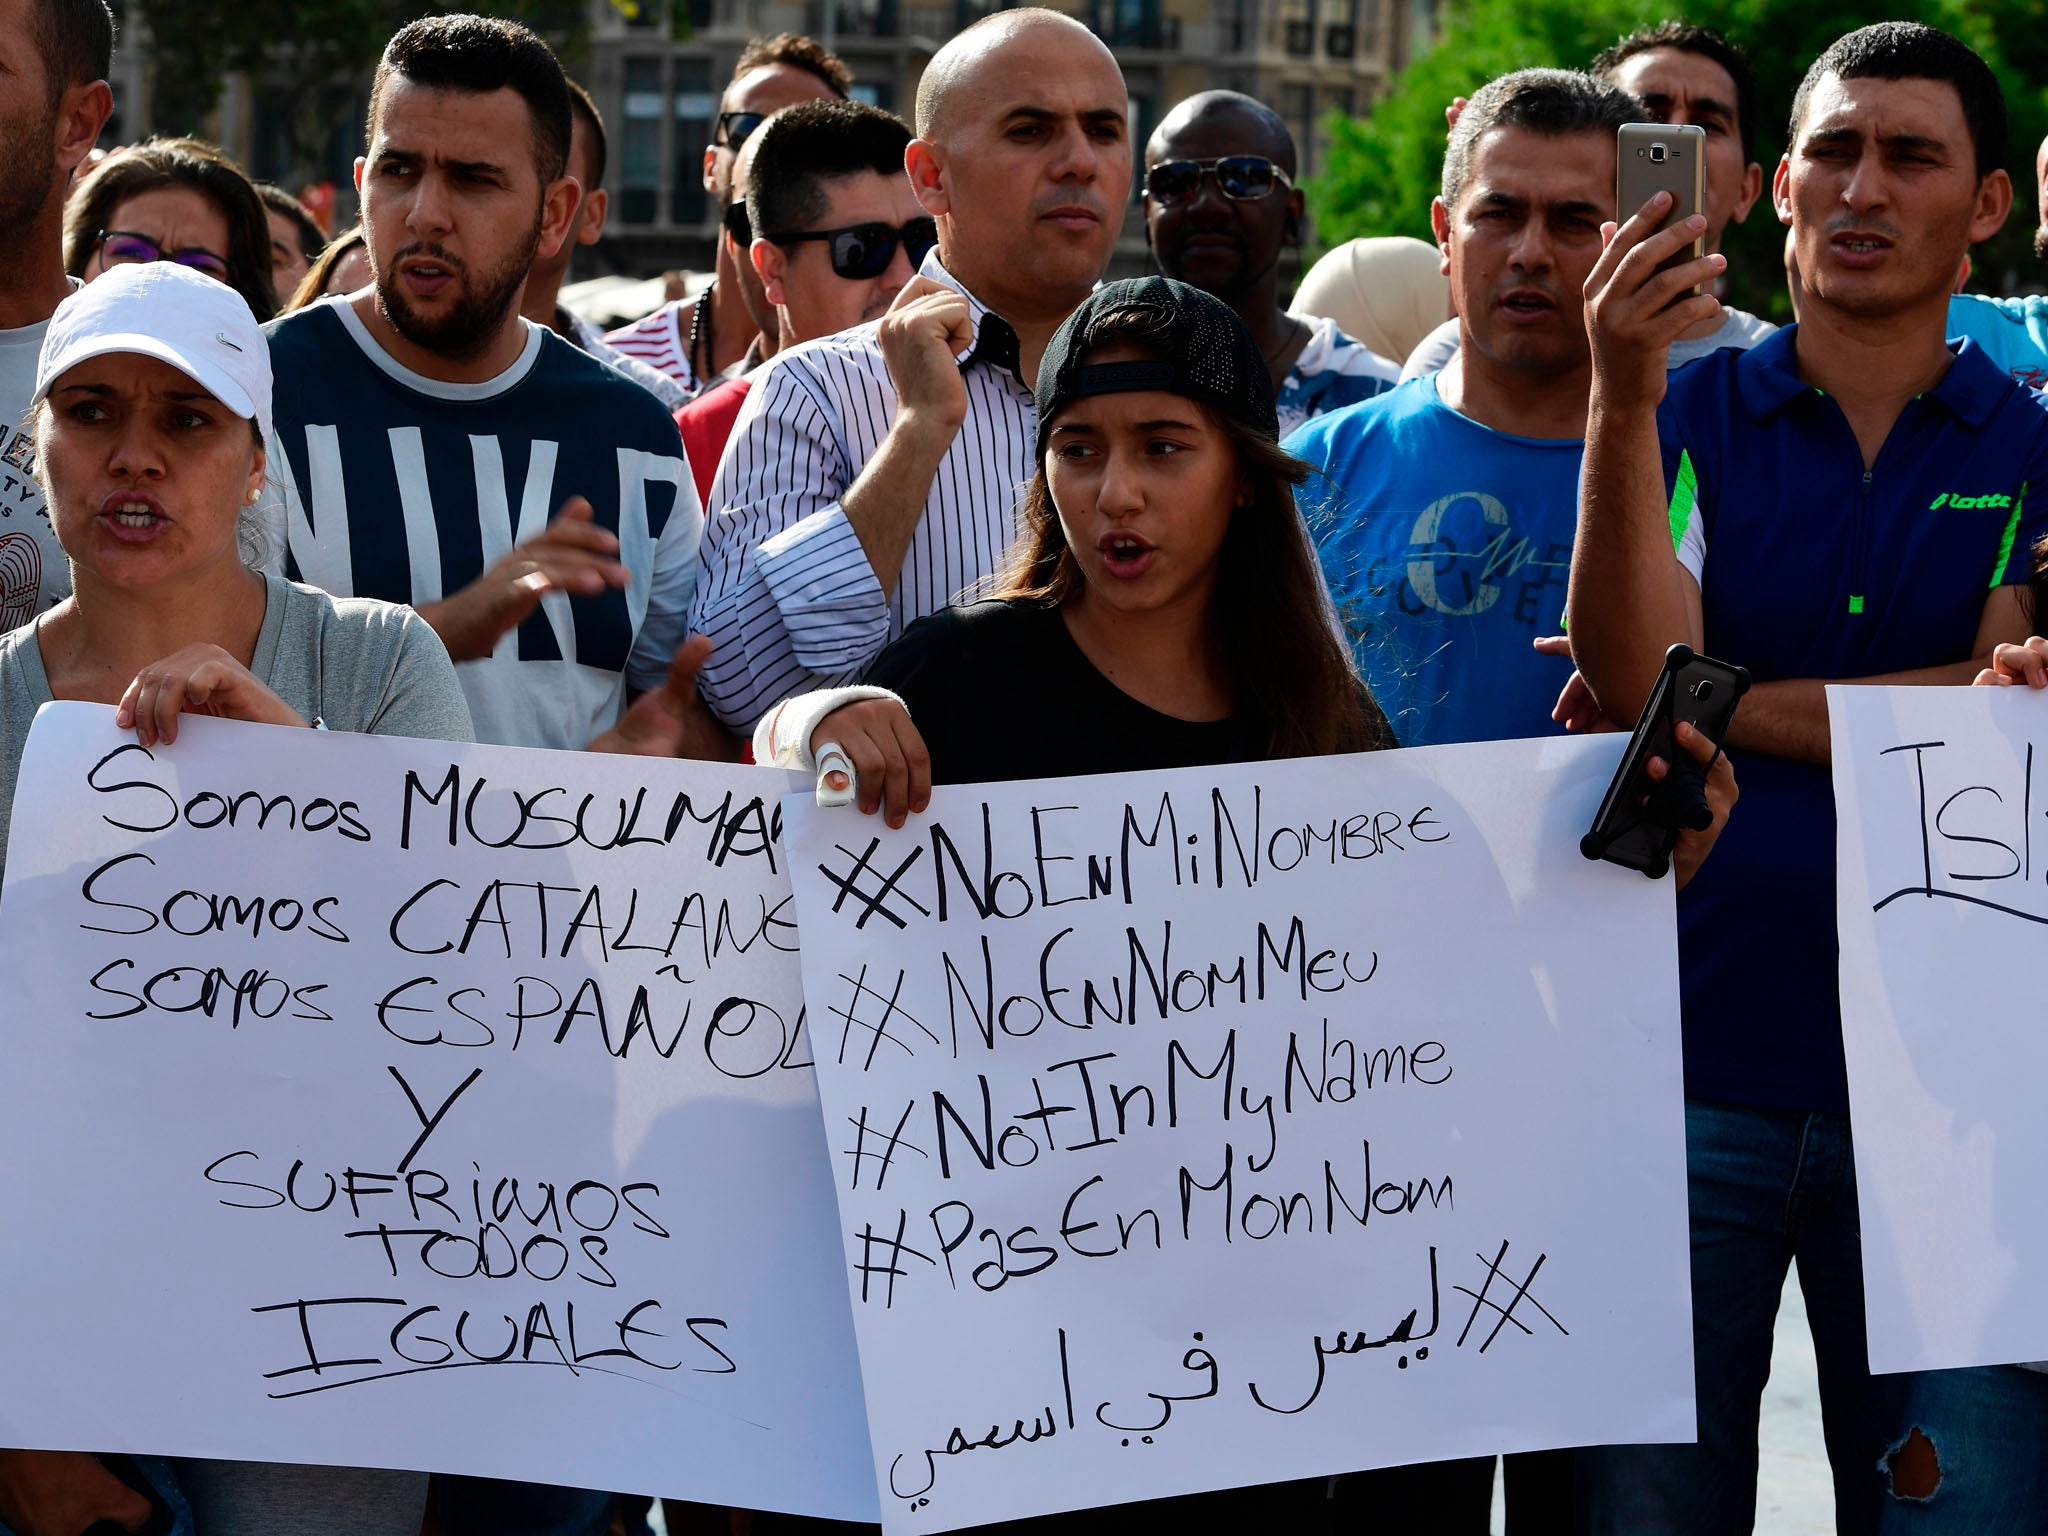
425	432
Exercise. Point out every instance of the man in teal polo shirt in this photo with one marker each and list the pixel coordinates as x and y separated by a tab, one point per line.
1853	500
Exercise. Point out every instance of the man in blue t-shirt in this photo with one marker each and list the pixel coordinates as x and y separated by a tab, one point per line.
1851	499
434	448
2014	331
1444	512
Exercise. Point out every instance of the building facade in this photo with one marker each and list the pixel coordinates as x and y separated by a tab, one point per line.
658	67
657	75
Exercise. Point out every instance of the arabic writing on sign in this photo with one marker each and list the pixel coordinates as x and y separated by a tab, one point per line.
1182	1125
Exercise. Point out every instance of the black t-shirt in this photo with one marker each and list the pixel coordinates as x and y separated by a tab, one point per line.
999	690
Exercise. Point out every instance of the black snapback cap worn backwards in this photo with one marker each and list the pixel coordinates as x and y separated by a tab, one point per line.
1202	351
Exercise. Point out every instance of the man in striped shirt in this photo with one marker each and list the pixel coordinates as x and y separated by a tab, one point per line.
872	476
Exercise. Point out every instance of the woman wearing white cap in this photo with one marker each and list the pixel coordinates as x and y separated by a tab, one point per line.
151	409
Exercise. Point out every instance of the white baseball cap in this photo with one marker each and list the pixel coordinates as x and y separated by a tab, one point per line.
198	325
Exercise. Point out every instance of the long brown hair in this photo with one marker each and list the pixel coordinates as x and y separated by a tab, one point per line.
1269	616
189	163
313	286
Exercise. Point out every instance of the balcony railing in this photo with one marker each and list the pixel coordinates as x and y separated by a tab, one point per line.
853	18
1126	26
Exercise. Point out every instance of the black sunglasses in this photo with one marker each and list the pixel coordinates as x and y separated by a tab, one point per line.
737	224
865	250
1243	178
733	127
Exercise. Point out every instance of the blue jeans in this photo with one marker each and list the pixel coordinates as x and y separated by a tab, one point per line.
1766	1189
1981	1462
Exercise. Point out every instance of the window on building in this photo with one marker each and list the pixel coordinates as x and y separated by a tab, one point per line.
1126	23
1141	115
1233	25
695	110
645	13
638	137
1422	24
1368	26
855	18
1340	28
876	93
1297	20
1298	110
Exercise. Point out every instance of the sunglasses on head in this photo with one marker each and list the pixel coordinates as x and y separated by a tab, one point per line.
120	247
865	250
734	127
1243	178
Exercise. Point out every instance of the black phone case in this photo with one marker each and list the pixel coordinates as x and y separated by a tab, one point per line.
1623	832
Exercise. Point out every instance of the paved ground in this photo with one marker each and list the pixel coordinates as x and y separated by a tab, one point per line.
1795	1494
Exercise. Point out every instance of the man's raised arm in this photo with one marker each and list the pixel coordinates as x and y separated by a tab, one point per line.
1630	599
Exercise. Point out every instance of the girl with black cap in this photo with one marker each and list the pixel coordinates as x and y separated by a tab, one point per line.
1161	608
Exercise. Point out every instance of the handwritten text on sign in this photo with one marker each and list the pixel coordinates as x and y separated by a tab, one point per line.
1941	907
402	1104
1221	1126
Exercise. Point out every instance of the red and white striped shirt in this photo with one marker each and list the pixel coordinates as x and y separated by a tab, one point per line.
662	340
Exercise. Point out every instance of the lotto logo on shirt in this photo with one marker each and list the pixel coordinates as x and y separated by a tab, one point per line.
1967	503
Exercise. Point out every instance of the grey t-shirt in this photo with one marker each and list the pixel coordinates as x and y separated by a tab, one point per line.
1738	328
34	573
356	664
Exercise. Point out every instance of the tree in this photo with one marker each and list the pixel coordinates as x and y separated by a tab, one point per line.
1382	171
316	54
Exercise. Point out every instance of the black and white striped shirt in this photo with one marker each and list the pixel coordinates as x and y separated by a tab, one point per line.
784	589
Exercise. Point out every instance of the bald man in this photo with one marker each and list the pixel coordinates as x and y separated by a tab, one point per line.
872	475
730	327
2014	331
1221	207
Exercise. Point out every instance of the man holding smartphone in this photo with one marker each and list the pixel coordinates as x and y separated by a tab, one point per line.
1443	519
1445	510
1851	504
1684	76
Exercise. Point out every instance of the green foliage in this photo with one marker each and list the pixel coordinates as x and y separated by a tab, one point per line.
1381	172
319	52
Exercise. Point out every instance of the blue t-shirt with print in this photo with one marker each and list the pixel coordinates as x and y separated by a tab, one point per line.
2012	332
1446	546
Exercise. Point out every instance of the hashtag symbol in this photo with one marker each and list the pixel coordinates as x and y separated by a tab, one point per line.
1481	1301
884	886
878	1026
862	1132
895	1250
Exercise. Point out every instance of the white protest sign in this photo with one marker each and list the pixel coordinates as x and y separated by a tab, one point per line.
1941	897
393	1103
1214	1127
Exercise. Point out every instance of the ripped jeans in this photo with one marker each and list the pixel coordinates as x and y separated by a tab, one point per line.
1980	1462
1766	1189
